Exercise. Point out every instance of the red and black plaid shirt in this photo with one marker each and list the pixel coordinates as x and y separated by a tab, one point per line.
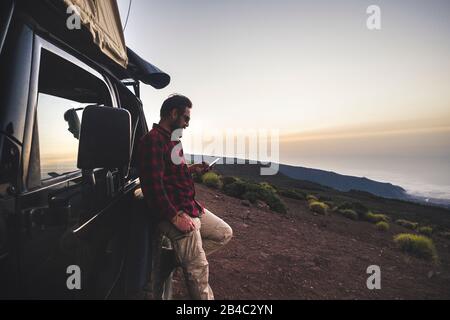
167	186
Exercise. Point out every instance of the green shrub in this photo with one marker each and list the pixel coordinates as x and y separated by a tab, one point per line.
251	196
267	194
253	192
382	226
330	204
375	218
428	231
276	204
292	194
229	180
212	180
310	198
358	207
262	191
267	186
348	213
345	206
318	207
236	189
407	224
417	245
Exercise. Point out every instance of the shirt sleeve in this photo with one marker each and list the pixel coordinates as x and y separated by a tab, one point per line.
151	158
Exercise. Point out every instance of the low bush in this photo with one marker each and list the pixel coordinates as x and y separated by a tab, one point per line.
318	207
348	213
292	194
276	204
376	217
407	224
417	245
253	192
267	186
330	204
236	189
382	226
212	180
229	180
427	231
251	196
310	197
358	207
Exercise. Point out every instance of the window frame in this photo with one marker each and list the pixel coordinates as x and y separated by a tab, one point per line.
41	44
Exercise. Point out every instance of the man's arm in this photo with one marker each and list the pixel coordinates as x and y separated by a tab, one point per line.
152	172
198	168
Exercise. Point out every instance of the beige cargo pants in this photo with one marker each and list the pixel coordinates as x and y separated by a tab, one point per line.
210	234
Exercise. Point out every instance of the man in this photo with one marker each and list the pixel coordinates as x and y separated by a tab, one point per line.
167	184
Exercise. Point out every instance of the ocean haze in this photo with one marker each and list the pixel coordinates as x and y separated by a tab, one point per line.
427	177
417	160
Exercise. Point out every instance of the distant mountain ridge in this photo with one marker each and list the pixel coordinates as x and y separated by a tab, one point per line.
329	179
343	182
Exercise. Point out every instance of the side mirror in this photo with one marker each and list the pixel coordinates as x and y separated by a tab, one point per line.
72	119
105	138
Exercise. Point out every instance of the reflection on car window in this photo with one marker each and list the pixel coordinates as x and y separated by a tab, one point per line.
58	146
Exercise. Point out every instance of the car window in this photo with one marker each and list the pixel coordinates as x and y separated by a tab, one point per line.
58	146
65	89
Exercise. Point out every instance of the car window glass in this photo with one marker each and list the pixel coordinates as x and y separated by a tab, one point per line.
65	90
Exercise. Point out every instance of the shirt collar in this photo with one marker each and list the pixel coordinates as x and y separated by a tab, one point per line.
161	130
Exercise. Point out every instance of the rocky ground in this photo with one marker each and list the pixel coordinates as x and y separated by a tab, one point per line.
304	256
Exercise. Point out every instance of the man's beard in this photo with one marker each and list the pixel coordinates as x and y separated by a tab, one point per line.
175	127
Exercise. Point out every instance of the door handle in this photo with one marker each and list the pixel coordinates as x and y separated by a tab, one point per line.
59	211
33	217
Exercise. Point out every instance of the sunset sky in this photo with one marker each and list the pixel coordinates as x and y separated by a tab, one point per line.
343	97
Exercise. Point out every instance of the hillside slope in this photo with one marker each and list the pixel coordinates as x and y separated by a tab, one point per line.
302	256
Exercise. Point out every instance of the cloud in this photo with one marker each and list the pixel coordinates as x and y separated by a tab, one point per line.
386	130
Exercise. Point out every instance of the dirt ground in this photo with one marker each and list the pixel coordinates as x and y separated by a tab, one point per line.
303	256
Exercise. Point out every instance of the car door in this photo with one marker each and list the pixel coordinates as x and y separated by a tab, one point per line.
69	248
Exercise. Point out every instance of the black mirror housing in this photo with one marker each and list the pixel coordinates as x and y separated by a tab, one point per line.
105	138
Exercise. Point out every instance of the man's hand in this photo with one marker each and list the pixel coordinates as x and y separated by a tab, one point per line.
200	168
183	222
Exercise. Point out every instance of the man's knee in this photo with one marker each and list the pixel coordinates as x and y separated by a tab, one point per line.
227	234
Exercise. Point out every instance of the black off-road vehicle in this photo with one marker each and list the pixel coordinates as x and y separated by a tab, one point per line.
70	119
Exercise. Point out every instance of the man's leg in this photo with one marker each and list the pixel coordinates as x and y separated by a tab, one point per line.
214	231
190	254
